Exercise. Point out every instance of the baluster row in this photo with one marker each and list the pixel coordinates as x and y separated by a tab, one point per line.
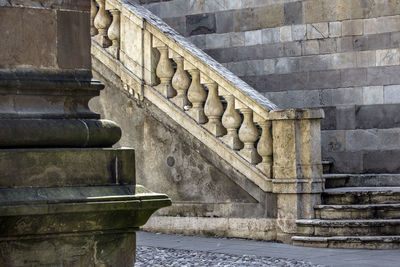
188	93
105	28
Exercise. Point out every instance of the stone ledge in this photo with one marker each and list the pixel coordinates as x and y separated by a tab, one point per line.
58	133
296	114
254	228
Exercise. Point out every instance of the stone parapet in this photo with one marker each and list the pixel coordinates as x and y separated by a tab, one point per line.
297	169
277	151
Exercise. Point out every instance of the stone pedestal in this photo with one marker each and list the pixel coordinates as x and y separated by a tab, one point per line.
297	169
66	197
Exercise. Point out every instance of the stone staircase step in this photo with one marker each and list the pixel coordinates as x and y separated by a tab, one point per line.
355	242
361	180
317	227
326	166
368	211
361	195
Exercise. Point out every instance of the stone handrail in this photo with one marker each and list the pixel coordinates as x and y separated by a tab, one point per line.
142	49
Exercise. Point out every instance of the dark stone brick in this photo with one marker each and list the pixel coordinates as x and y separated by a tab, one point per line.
292	49
223	55
383	75
345	117
345	162
353	77
329	122
360	43
243	20
253	81
273	50
249	53
378	41
224	21
294	81
324	79
200	24
73	40
382	161
265	83
378	116
178	24
327	46
345	44
293	13
394	39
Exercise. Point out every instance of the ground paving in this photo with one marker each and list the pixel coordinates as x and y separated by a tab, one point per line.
155	249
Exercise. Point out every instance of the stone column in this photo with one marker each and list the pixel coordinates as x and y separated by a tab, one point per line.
67	198
297	168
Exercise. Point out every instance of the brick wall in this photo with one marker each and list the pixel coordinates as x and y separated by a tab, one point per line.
341	55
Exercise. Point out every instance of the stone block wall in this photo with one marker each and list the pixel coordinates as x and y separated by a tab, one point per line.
341	55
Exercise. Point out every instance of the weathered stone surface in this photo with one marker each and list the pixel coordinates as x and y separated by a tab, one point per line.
200	24
293	13
28	38
107	249
55	133
177	160
73	40
50	167
81	5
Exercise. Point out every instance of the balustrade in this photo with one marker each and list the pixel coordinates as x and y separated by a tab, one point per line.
114	33
102	21
264	148
180	82
197	95
188	91
213	109
93	12
165	72
231	120
248	134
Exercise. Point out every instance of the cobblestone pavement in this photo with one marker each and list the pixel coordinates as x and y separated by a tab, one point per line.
155	249
163	257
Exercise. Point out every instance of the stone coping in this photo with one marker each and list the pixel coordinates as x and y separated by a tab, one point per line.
297	114
40	201
146	16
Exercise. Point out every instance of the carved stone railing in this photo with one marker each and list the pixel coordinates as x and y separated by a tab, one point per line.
278	150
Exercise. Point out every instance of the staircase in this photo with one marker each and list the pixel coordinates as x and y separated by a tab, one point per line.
358	211
276	152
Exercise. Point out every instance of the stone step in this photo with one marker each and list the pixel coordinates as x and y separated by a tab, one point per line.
361	180
361	195
319	227
346	212
326	166
355	242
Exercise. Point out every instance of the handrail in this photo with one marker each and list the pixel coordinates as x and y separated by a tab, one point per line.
175	74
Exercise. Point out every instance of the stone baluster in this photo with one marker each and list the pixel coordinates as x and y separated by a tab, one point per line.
93	12
114	33
213	109
180	82
165	72
248	134
197	95
264	148
231	121
102	21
